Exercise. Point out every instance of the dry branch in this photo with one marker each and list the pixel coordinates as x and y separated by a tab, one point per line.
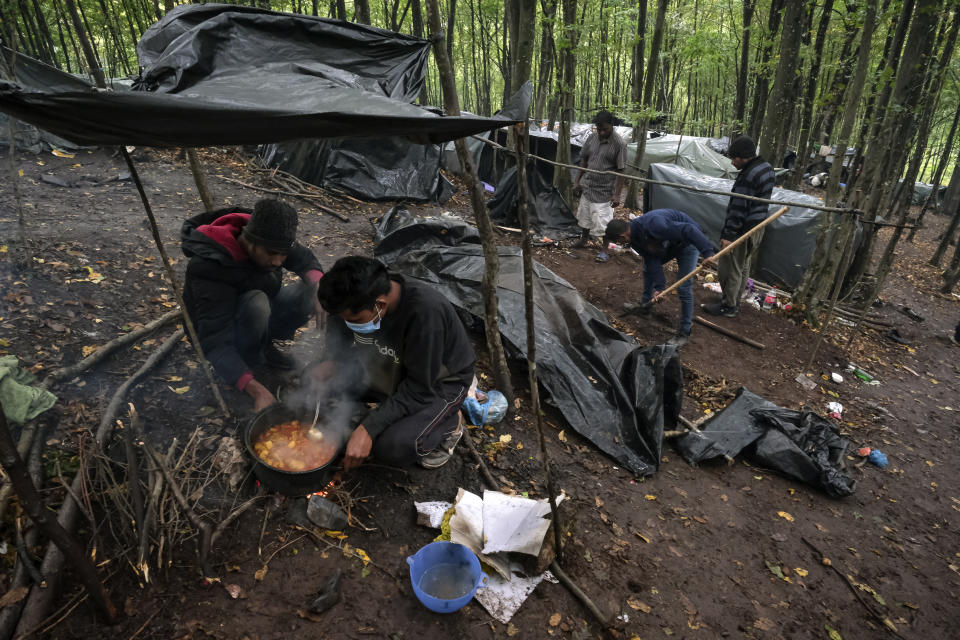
104	350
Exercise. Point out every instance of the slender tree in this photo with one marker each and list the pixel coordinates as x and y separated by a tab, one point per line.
780	107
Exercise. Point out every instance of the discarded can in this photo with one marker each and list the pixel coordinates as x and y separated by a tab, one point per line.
878	458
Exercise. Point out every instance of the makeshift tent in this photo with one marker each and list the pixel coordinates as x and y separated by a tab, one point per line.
608	388
799	444
374	169
689	152
222	74
549	214
788	241
922	191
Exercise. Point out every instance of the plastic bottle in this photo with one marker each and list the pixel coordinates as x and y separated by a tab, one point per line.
770	301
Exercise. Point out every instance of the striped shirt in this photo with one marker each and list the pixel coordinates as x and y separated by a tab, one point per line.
602	155
755	179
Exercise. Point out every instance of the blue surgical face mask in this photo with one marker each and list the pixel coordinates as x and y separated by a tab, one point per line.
366	327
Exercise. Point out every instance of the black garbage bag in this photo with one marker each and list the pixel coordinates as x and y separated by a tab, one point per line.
805	446
608	388
549	214
801	445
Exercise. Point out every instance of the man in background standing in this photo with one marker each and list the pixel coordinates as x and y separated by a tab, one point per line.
599	193
756	178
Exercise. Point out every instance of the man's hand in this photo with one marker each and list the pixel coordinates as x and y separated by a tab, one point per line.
710	262
358	448
262	398
725	243
657	297
318	311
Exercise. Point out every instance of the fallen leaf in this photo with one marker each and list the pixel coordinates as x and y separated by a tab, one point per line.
14	596
234	590
803	573
3	248
260	574
638	605
555	619
4	342
764	624
775	570
306	615
174	379
890	625
596	499
363	555
786	516
512	630
179	390
650	496
643	537
562	436
505	439
86	350
833	633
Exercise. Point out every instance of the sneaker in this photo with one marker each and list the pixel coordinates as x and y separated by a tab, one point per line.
444	451
720	309
602	257
634	309
679	341
277	359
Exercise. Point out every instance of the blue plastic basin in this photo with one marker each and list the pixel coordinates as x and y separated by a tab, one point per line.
450	570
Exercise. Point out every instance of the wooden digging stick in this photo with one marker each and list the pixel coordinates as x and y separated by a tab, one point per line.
725	250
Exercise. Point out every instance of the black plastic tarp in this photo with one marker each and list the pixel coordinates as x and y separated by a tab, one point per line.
549	214
608	388
799	444
373	169
224	75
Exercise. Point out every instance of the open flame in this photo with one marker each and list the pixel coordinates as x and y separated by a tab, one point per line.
325	492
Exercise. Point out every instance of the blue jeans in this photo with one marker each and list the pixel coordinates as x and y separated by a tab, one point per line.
686	262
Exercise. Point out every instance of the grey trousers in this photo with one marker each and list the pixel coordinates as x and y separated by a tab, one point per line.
732	269
259	319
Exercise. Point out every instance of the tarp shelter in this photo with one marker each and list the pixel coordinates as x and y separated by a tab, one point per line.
689	152
788	241
373	169
922	191
225	75
549	214
608	388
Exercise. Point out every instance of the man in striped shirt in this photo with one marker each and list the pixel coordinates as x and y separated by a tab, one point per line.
756	178
599	193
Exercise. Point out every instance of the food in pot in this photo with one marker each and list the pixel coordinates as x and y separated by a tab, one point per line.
286	447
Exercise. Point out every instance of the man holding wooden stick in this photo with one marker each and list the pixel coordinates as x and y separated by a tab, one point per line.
659	236
756	179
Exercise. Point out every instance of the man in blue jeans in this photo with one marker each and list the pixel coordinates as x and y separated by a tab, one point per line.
660	236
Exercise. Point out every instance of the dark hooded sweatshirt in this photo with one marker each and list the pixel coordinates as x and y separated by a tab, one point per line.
219	272
420	344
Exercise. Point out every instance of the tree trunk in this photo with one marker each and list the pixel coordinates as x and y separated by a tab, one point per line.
740	104
548	9
632	199
884	164
565	81
498	360
361	11
763	75
932	92
779	119
951	206
525	14
451	23
933	198
200	178
803	146
835	229
417	17
88	51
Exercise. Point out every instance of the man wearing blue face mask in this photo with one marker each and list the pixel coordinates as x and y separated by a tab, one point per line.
399	343
660	236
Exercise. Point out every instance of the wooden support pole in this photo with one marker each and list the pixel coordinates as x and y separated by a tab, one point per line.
200	178
172	277
32	504
731	334
523	212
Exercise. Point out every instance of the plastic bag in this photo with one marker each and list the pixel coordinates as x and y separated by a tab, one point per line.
486	408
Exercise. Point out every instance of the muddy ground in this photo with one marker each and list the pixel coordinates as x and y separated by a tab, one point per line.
715	551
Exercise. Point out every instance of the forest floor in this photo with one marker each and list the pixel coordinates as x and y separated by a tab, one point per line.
715	551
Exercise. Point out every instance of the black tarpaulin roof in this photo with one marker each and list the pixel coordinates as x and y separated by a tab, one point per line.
220	75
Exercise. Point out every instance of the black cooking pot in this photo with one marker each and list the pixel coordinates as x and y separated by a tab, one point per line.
289	483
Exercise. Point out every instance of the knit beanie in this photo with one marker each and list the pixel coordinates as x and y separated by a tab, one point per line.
743	147
273	225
